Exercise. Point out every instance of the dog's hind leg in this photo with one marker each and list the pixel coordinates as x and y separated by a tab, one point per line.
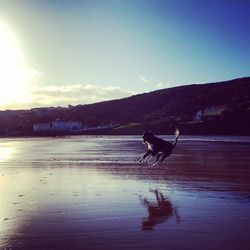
156	160
164	156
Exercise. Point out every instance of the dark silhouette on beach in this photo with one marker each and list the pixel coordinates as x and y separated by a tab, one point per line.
157	146
158	211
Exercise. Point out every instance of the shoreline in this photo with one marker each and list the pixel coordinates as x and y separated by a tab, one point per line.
183	137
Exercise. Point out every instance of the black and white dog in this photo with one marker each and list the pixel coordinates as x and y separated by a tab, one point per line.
157	146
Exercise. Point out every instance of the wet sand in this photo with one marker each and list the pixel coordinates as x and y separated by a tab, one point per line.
91	193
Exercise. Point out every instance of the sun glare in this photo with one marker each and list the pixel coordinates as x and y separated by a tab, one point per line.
12	69
5	152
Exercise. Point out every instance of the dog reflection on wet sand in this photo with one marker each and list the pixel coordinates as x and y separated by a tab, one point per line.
158	211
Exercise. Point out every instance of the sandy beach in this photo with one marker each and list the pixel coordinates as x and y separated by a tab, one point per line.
90	192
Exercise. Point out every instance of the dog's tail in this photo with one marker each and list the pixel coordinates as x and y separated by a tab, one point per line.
177	133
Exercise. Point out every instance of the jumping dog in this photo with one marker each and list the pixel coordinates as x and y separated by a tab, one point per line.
157	146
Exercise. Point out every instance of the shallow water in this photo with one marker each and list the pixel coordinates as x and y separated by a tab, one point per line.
89	192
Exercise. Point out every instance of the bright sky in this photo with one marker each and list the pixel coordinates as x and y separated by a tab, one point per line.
60	52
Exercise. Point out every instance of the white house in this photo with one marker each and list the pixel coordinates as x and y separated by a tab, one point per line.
57	126
214	110
41	127
208	112
66	126
198	116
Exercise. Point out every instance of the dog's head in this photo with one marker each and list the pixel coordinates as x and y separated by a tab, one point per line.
146	136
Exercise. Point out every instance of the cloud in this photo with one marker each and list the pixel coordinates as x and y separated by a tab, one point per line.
144	79
153	84
31	73
74	94
160	85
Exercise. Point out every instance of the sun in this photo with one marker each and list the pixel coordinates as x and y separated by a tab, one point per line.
13	85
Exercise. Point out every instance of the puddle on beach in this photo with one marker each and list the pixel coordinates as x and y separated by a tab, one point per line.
91	193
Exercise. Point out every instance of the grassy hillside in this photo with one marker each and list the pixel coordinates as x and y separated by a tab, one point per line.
213	108
158	110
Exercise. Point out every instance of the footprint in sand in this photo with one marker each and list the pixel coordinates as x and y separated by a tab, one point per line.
5	219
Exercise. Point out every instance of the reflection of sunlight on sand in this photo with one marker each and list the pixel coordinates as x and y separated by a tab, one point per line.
5	153
16	199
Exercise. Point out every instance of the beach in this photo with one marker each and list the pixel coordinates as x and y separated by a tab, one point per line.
90	192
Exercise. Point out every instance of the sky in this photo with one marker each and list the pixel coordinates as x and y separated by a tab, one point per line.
60	52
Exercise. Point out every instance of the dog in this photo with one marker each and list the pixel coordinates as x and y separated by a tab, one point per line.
157	146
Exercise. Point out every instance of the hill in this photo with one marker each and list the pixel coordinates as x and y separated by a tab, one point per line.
212	108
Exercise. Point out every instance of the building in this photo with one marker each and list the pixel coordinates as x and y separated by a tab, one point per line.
212	111
57	126
198	116
65	126
41	127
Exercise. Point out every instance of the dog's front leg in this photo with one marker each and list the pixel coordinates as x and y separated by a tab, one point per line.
145	156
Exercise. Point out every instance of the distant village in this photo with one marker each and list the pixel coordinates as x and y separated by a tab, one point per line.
41	121
68	126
